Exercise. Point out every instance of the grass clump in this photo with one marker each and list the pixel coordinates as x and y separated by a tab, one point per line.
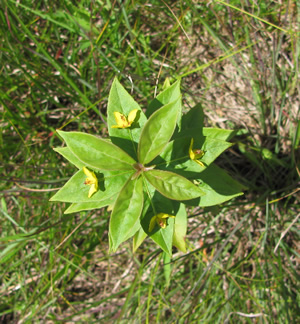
240	60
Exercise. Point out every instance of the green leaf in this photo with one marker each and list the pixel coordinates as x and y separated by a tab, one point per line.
164	237
138	239
167	268
180	228
192	122
192	126
157	131
96	152
124	221
172	185
75	191
89	205
155	203
218	133
120	100
170	94
218	187
212	148
67	154
166	84
176	154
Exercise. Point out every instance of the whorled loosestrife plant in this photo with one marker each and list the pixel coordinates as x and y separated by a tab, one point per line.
153	165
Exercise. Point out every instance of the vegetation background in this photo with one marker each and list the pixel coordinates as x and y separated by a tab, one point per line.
240	60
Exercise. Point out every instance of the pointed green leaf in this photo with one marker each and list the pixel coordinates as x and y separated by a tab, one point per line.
192	122
90	205
67	154
218	133
176	154
156	203
218	187
166	84
172	185
168	95
164	237
124	221
161	236
96	152
75	191
121	101
138	239
135	228
157	131
192	126
180	228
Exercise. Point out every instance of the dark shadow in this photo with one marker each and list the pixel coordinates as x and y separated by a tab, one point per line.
101	180
126	145
193	120
154	105
207	175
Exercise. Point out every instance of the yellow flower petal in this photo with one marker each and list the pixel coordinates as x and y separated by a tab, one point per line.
91	180
92	190
200	163
160	219
122	121
132	116
196	154
191	153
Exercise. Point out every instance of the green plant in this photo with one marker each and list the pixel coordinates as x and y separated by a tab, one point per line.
148	171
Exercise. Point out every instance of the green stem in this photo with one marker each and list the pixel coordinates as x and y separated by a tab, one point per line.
132	141
148	193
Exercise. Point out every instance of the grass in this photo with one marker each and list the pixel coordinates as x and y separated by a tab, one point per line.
240	60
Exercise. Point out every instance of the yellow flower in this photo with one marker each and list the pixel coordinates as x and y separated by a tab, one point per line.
91	180
196	154
122	121
160	219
